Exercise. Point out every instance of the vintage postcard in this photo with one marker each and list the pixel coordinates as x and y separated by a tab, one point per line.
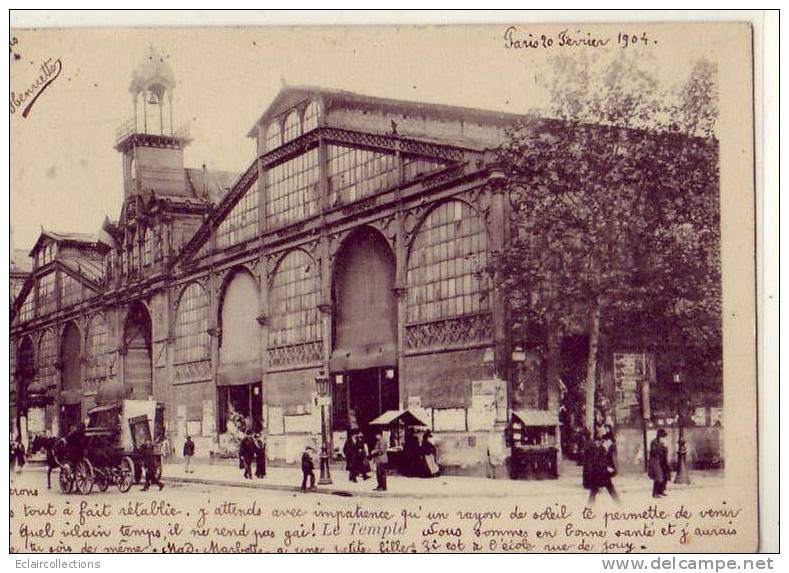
396	289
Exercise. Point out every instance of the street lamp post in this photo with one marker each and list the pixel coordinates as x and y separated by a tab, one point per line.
682	476
323	382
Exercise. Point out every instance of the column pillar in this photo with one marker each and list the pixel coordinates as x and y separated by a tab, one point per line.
214	290
497	222
262	318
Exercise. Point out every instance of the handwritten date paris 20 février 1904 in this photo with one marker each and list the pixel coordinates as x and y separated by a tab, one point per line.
518	39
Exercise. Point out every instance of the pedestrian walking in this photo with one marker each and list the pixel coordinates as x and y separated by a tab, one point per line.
17	454
189	451
246	453
410	463
308	468
349	452
429	464
260	456
166	449
380	459
658	468
361	457
599	468
152	476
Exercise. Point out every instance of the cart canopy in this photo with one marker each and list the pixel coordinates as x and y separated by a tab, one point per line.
389	417
531	418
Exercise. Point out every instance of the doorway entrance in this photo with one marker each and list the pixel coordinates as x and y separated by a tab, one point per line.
363	395
240	408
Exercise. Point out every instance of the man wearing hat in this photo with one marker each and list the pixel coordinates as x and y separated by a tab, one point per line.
658	469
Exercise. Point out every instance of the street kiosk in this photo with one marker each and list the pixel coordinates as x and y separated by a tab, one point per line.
396	423
532	439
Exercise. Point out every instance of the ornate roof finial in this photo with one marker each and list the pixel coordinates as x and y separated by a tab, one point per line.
153	71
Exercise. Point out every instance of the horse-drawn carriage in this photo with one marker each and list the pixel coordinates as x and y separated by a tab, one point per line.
95	462
111	450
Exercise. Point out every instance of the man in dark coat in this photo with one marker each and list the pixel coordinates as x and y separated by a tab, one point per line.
658	469
150	465
189	451
307	468
246	453
349	451
411	461
360	457
75	444
428	463
260	457
599	468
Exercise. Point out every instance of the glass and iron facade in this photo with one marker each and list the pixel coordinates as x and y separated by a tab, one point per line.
361	254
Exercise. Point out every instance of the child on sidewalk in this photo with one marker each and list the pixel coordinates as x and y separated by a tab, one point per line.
308	468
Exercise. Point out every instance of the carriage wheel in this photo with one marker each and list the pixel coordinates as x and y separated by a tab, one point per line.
126	474
102	479
84	477
66	478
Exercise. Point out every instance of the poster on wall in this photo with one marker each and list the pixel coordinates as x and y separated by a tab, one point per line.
36	421
633	375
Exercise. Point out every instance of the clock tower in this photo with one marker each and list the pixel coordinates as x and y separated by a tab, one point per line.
152	148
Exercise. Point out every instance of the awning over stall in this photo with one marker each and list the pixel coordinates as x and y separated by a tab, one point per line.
530	417
389	417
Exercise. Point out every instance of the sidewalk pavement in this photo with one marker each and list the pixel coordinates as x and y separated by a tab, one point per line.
289	479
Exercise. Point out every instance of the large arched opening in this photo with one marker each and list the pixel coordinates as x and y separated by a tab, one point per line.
136	348
364	358
238	375
70	377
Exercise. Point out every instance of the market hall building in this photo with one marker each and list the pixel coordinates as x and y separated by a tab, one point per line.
352	248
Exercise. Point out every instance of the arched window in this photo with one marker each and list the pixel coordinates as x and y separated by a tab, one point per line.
96	350
447	256
294	301
46	359
292	127
191	325
310	117
273	136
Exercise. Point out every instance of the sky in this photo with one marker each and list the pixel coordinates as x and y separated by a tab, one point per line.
66	175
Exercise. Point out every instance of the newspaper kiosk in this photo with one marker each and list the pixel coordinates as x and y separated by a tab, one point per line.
532	439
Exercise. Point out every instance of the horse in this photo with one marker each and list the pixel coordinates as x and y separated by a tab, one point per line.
55	449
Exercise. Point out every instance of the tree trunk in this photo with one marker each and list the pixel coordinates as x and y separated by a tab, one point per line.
591	366
550	398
